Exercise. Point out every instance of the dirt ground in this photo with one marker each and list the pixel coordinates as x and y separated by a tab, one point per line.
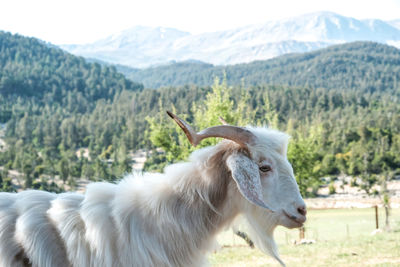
347	196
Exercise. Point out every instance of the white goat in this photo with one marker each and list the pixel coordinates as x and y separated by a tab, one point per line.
167	219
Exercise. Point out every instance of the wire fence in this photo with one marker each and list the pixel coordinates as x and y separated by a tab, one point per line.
328	225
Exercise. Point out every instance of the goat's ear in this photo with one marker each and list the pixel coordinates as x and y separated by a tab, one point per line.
247	177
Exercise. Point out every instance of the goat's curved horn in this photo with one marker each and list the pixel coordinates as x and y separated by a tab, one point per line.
239	135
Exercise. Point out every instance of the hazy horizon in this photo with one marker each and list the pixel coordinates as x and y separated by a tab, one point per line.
77	22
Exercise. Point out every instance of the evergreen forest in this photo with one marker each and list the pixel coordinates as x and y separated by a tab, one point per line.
340	105
361	66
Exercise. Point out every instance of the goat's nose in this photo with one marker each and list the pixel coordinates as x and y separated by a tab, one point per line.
302	210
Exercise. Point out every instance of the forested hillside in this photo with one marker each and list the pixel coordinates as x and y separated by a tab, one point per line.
46	97
361	66
71	106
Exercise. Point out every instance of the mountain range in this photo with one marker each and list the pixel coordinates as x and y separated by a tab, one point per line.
141	47
363	66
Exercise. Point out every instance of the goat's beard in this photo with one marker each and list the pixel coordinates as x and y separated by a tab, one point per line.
261	231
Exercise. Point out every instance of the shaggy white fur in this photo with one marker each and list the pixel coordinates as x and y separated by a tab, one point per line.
167	219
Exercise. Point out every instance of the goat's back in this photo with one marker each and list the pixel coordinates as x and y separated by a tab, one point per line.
27	235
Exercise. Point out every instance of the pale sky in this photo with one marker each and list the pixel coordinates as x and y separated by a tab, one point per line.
84	21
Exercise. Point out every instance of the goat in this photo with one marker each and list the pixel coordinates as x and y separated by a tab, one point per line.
168	219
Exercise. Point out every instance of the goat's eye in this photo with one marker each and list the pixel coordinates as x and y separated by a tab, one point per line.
265	168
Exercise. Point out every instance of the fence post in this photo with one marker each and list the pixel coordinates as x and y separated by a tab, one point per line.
301	233
376	217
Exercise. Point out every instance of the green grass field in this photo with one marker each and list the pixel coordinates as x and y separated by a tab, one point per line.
343	238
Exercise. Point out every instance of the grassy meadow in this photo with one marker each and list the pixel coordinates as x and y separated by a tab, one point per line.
343	238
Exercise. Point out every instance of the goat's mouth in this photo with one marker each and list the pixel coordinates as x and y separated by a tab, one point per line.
295	222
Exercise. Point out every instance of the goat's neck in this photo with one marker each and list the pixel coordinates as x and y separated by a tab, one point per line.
199	206
208	201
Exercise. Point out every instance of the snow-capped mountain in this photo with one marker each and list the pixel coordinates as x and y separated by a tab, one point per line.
137	47
145	46
395	23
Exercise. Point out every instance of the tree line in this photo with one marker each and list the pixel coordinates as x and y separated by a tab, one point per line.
55	129
333	131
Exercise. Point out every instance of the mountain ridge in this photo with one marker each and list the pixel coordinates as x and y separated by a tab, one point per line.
31	67
142	47
357	65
